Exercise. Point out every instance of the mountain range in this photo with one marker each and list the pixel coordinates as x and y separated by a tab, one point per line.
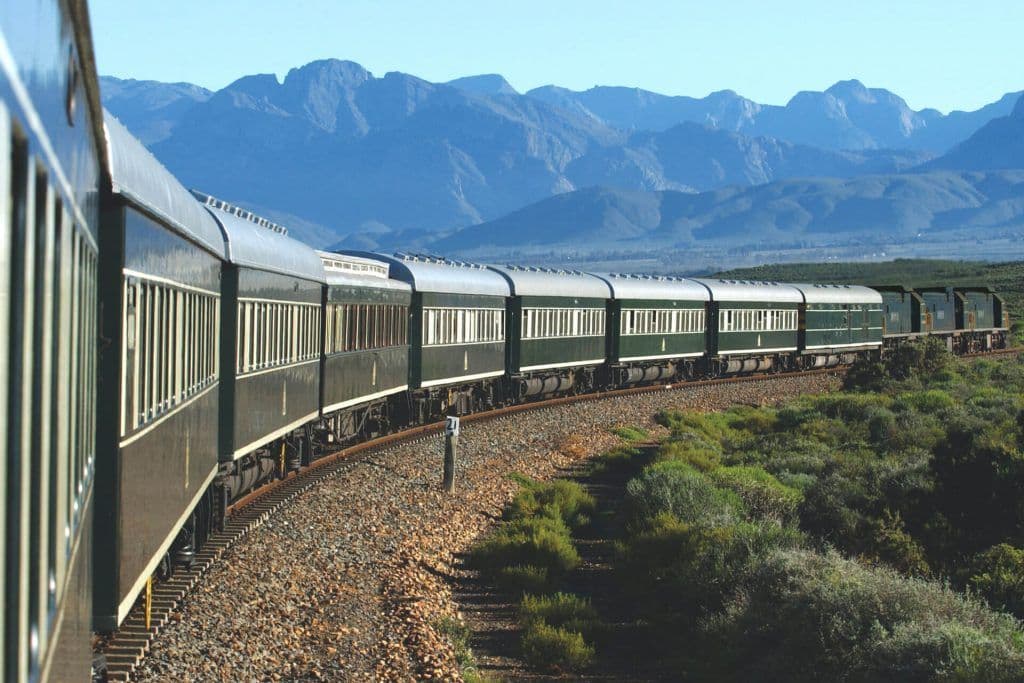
342	156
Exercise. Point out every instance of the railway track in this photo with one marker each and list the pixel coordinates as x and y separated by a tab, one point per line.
125	649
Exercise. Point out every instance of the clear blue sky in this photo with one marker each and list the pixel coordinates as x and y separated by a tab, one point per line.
947	54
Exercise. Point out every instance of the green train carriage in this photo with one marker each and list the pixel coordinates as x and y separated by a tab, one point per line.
556	323
838	322
456	333
658	327
752	326
366	347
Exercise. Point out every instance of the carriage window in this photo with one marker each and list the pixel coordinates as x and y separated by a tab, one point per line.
169	347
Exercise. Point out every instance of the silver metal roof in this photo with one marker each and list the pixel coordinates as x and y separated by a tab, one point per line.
533	281
751	290
143	181
638	286
838	294
437	274
342	269
255	242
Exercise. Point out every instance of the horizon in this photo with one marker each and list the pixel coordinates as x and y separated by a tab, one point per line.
904	49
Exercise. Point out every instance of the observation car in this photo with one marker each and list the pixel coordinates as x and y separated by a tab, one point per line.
51	160
456	333
160	280
556	330
752	326
658	327
272	293
838	321
366	347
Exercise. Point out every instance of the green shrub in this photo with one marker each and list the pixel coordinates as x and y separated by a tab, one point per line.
517	579
764	495
559	499
561	610
631	433
624	459
752	420
808	616
541	542
553	649
680	570
677	489
687	451
998	575
927	401
894	546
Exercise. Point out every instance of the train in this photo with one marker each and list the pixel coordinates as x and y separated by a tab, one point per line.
164	353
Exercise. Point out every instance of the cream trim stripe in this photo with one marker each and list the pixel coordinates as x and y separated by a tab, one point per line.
595	361
267	438
247	375
463	378
177	409
663	356
362	399
724	353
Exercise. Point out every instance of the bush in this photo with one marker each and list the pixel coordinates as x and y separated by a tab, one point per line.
680	570
998	575
541	542
561	610
631	433
690	452
810	616
620	460
559	499
894	546
554	649
764	495
520	578
928	401
677	489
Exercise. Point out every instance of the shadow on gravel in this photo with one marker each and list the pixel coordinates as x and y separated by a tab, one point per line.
623	642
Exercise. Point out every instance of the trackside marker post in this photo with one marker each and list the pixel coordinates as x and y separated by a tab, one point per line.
451	444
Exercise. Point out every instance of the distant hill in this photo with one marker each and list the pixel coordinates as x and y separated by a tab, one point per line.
781	212
150	109
997	144
347	157
847	115
486	84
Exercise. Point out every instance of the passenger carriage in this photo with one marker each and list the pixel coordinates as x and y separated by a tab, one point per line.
51	160
366	347
456	333
752	326
838	323
658	328
159	391
556	330
272	292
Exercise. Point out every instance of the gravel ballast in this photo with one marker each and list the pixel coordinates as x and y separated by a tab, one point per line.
349	580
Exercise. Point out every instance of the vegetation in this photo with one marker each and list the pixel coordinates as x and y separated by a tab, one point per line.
529	556
876	533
